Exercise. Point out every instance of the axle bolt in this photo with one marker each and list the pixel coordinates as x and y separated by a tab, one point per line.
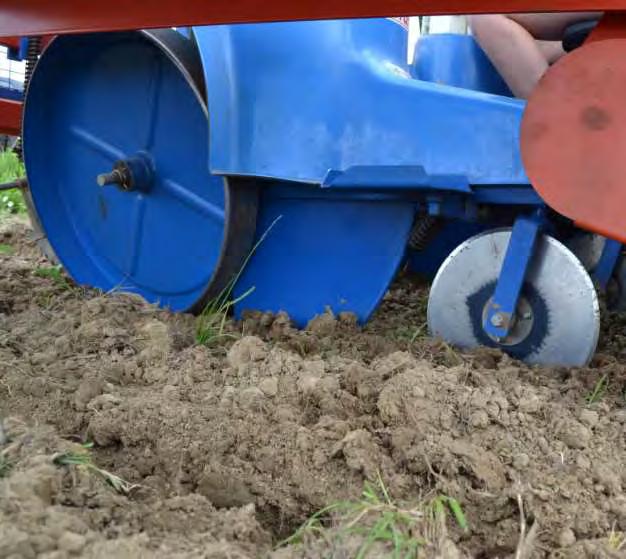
114	177
497	320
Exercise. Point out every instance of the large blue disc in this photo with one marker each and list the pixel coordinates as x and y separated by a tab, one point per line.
97	99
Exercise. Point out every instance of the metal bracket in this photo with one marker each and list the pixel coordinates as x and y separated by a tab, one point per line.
501	311
603	271
401	177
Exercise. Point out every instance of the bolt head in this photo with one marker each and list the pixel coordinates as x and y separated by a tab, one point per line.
497	320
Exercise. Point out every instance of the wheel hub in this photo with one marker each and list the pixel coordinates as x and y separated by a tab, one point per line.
134	173
521	323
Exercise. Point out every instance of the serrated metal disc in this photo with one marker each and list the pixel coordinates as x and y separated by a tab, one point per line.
569	304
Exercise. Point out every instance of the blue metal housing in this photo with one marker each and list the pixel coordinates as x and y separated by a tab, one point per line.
293	101
456	60
334	103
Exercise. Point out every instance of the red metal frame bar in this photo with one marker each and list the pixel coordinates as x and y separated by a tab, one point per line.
42	17
10	117
11	42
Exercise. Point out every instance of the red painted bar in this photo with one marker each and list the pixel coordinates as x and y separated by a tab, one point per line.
11	42
41	17
10	117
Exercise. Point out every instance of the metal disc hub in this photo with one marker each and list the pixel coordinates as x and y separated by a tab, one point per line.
557	320
134	173
522	323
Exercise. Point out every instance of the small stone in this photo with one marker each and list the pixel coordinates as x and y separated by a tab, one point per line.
529	403
521	461
269	386
322	324
286	414
315	367
608	479
543	445
583	462
619	416
88	389
248	349
170	392
589	417
576	435
479	419
62	345
252	399
71	542
308	383
105	402
223	490
329	383
347	319
567	537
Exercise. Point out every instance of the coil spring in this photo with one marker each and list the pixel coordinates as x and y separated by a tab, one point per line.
32	55
424	229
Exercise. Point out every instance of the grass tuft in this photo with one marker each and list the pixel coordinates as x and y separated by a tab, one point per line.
6	249
599	390
211	322
376	519
11	168
5	466
54	273
442	505
616	540
81	458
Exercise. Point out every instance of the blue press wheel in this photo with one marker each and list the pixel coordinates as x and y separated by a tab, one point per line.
169	230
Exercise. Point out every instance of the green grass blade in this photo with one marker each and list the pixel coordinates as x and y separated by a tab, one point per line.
457	512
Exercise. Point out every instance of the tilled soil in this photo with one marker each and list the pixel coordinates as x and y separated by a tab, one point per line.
230	446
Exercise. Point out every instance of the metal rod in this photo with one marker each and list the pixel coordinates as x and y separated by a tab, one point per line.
19	183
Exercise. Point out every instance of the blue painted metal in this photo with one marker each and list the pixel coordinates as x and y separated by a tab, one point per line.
323	95
497	321
338	96
19	54
11	93
102	98
456	60
324	252
185	31
603	271
427	262
405	177
511	195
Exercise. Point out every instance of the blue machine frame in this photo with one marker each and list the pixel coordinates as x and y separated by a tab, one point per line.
348	146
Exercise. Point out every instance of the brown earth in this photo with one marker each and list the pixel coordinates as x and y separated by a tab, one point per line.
235	444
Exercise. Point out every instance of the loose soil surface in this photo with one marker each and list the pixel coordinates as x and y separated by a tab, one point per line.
227	448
